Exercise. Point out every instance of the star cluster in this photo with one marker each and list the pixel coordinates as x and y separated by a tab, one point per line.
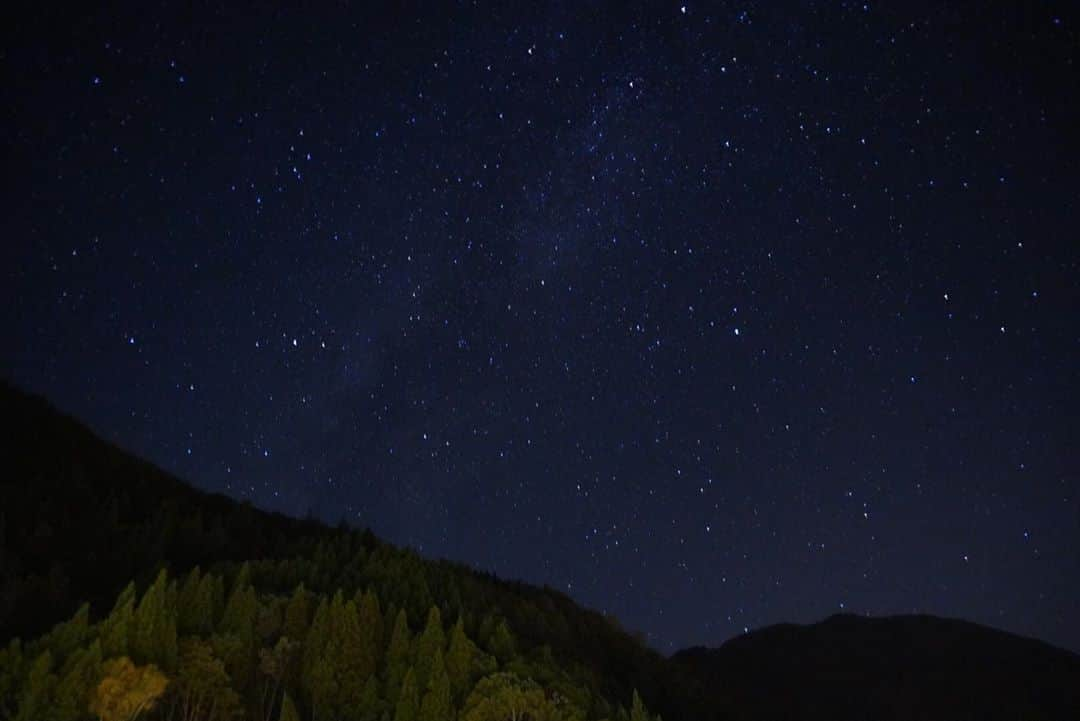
711	316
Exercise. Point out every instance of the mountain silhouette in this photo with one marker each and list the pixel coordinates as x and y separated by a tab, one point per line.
900	667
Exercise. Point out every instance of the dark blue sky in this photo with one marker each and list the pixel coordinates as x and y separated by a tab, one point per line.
712	316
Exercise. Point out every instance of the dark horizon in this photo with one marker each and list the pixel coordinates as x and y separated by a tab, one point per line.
709	316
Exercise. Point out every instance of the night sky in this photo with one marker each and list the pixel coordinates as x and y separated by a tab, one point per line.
710	316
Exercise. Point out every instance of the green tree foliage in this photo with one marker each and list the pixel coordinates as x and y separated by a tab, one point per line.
68	636
12	663
83	669
127	690
408	702
274	666
322	689
506	697
154	637
297	615
464	663
315	645
436	704
432	641
116	630
501	643
398	654
638	712
202	690
37	692
190	613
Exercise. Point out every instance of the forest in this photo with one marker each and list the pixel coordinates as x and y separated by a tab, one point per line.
127	594
210	647
289	616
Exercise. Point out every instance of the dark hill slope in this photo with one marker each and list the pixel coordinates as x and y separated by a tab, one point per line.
80	518
903	667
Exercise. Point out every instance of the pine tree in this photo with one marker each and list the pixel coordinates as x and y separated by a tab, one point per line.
73	691
638	712
12	673
501	643
371	627
460	661
66	637
431	641
188	612
323	690
397	657
154	638
296	615
353	657
436	704
408	704
36	697
315	644
116	629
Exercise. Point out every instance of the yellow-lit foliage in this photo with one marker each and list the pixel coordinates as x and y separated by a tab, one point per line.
127	690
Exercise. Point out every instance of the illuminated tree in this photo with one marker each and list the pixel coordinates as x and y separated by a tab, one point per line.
127	690
506	697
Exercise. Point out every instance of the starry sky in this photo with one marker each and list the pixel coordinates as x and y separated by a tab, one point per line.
710	315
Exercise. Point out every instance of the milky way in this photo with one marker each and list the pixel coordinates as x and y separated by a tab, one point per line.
711	316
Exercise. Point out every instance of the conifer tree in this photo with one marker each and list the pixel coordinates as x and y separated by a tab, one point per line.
68	636
36	697
315	644
116	629
370	703
371	626
73	691
431	641
638	712
188	612
502	643
460	660
12	668
408	704
154	638
436	704
296	615
216	597
397	657
323	690
352	654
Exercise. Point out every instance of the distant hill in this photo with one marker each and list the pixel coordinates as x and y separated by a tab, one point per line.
901	667
259	597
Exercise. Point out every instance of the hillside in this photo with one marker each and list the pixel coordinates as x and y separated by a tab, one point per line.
82	519
902	667
227	611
